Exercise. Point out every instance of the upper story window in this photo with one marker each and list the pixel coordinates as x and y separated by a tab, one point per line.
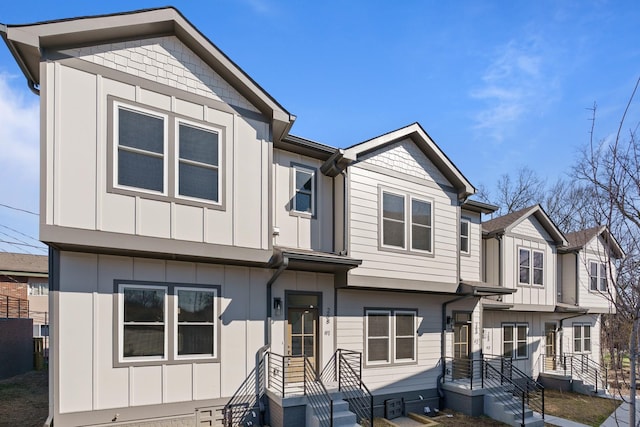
38	289
531	267
166	157
303	200
406	222
198	162
581	338
514	340
390	336
464	236
597	276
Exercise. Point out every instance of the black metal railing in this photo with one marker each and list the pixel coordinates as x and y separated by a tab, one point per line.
463	370
581	366
350	383
244	405
317	395
504	390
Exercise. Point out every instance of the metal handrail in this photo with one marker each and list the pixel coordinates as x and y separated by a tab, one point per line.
495	382
355	391
320	400
587	370
244	403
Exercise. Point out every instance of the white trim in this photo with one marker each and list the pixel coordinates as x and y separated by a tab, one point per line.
404	219
309	171
176	323
121	323
582	327
429	226
531	267
165	146
178	160
514	341
396	336
467	236
366	337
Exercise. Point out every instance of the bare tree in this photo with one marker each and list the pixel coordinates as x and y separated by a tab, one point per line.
523	190
610	171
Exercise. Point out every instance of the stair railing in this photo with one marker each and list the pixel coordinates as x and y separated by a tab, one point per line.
317	395
497	384
588	370
245	402
345	368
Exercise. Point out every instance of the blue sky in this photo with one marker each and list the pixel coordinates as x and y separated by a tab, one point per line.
497	84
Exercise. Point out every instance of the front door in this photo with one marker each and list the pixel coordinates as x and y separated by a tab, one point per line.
461	345
302	340
550	346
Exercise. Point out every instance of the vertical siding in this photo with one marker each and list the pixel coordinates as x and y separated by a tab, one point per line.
595	251
470	268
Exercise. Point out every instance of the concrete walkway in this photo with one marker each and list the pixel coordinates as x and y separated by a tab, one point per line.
557	421
620	418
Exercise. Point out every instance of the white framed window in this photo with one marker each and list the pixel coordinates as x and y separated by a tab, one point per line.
597	276
140	145
405	336
143	325
390	336
406	222
198	154
581	338
304	184
40	330
514	340
421	225
530	267
393	220
195	319
378	333
39	289
464	236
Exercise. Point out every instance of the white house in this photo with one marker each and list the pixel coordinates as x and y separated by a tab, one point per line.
210	268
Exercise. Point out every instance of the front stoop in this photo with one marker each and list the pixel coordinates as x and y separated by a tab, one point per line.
502	406
342	416
579	386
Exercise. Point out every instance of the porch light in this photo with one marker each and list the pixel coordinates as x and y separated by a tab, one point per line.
277	305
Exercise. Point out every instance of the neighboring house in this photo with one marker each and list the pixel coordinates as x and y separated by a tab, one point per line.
24	289
207	264
564	283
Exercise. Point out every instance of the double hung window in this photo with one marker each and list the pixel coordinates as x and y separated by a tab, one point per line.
464	236
597	276
530	267
166	322
581	338
390	336
406	222
303	200
146	160
514	340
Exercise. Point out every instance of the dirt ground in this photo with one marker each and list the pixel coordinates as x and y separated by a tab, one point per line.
24	400
584	409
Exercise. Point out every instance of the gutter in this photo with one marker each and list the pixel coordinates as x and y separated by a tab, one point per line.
31	81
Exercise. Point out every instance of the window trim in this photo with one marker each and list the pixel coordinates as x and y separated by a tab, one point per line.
515	340
531	267
170	172
170	322
206	127
468	236
582	327
602	274
314	190
392	359
408	222
176	324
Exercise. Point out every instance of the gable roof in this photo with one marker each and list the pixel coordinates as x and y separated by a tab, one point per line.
420	137
29	42
506	223
577	240
14	264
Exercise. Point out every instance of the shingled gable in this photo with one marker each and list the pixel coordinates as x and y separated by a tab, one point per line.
506	223
577	240
420	137
29	44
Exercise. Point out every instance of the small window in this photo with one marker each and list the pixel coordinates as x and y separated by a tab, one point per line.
140	146
196	314
581	338
144	330
514	340
38	289
593	276
538	268
597	276
603	277
420	225
525	266
393	220
464	236
378	336
198	162
405	344
304	185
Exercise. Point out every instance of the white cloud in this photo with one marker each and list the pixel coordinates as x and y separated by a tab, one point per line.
19	161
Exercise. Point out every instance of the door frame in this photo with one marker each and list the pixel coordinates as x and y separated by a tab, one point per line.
555	344
318	308
455	323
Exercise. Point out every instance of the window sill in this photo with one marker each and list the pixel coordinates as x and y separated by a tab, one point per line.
302	214
426	254
135	363
389	364
164	198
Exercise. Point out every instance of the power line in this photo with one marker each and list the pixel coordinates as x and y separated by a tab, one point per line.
19	232
18	209
21	244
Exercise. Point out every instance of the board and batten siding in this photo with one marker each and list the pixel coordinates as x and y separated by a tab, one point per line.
77	183
87	377
364	216
595	251
470	268
529	234
400	378
300	230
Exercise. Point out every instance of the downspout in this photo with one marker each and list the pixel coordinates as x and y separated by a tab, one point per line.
577	278
499	237
345	238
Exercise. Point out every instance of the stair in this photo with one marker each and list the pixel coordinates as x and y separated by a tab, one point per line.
342	416
502	406
579	386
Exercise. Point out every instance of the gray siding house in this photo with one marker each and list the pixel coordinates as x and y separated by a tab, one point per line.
210	268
